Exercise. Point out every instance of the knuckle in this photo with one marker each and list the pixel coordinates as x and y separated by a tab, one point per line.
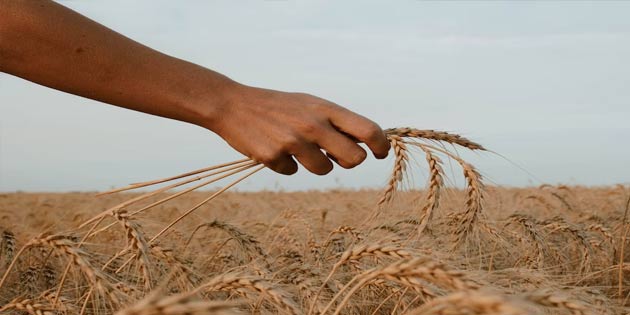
324	107
310	127
290	144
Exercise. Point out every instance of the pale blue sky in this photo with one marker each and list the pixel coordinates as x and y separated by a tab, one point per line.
546	84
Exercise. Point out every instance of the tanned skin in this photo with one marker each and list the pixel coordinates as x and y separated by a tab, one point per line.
47	43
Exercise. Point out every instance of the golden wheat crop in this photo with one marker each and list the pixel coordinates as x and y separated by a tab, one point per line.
441	250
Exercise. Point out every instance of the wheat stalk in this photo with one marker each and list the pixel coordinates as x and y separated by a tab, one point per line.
163	180
228	172
214	195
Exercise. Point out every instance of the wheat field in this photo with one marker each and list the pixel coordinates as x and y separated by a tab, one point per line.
479	249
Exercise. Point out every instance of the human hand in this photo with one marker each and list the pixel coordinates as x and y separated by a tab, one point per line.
271	127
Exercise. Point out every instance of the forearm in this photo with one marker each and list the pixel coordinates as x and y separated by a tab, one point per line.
44	42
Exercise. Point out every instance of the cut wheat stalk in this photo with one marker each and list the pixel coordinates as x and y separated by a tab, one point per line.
214	195
159	181
229	172
189	211
113	211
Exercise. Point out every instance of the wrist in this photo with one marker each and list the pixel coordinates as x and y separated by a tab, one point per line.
213	106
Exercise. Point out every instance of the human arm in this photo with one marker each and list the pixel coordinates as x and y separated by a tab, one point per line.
46	43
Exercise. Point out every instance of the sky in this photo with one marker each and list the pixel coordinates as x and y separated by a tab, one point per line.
544	85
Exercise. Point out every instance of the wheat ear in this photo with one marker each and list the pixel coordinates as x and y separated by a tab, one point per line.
529	225
137	243
469	303
356	253
214	195
436	182
7	245
156	303
247	242
400	165
551	300
474	196
230	282
434	136
407	272
29	306
559	224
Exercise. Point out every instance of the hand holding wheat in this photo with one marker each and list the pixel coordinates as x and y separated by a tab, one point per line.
282	126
